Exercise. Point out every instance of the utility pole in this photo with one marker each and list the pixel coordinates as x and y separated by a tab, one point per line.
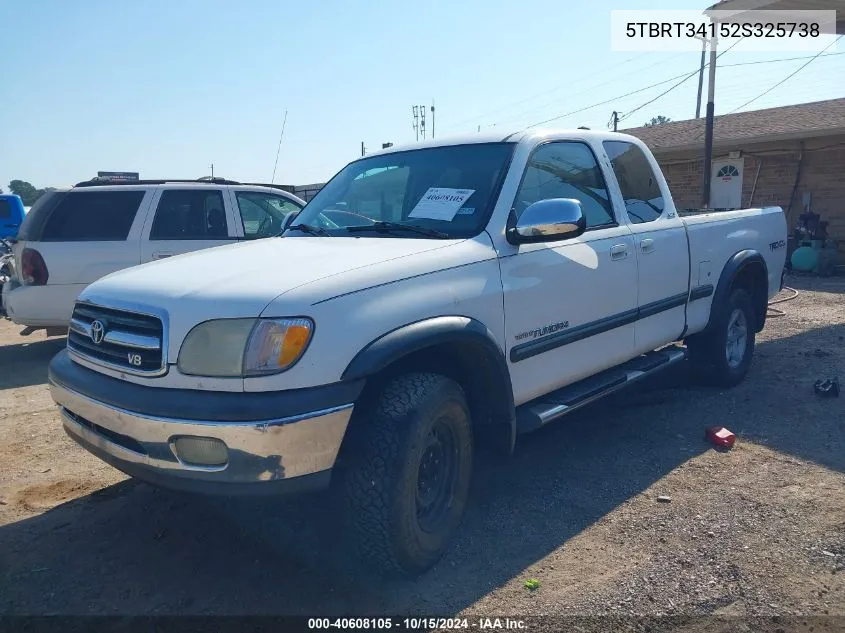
701	76
212	171
363	149
615	119
708	126
432	119
415	110
422	121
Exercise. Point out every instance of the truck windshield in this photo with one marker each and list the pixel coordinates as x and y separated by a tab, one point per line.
438	192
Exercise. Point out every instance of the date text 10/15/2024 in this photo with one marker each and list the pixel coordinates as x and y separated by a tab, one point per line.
418	623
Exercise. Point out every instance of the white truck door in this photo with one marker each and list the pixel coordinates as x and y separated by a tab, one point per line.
661	246
570	306
185	220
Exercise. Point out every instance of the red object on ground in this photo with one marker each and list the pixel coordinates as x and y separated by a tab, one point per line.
720	436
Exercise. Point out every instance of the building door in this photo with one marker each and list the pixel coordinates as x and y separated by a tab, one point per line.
726	184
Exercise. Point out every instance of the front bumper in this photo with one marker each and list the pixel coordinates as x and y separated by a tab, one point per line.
262	456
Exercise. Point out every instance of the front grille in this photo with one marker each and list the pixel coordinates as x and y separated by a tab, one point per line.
124	340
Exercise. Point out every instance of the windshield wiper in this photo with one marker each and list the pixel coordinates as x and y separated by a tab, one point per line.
311	230
386	227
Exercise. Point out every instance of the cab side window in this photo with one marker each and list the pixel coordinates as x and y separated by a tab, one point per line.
643	199
190	214
566	169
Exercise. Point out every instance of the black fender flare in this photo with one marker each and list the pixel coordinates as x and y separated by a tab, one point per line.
391	347
734	266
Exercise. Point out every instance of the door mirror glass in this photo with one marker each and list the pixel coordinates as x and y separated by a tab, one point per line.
548	221
288	221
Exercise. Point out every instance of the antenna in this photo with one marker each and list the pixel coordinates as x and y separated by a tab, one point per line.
415	110
279	149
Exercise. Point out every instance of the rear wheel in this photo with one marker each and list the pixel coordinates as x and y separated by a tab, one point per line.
723	356
407	481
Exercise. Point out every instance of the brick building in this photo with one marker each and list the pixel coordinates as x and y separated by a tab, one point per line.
792	157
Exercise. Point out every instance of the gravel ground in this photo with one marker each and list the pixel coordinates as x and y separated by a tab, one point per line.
756	531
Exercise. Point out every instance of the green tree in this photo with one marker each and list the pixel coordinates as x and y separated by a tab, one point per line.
28	193
658	120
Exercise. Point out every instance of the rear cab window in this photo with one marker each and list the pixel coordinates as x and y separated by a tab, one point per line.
5	210
644	201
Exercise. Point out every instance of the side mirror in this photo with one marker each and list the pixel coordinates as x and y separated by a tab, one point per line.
288	221
549	221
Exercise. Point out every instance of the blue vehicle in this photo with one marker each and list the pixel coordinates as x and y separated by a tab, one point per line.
12	213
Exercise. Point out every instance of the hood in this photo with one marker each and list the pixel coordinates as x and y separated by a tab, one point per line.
240	280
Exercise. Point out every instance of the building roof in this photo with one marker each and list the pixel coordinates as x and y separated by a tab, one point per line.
802	121
740	6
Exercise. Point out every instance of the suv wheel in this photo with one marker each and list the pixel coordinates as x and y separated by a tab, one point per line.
407	482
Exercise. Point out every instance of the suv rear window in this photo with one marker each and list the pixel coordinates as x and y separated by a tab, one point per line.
92	216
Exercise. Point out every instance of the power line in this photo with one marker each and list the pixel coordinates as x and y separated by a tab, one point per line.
782	59
662	94
685	76
601	103
593	87
665	92
789	76
550	91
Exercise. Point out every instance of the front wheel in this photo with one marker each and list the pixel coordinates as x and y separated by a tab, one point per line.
406	485
723	356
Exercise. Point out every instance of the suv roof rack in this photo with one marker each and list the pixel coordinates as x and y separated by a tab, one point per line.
286	188
104	182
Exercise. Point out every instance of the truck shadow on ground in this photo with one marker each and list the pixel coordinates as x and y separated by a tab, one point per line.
132	549
24	364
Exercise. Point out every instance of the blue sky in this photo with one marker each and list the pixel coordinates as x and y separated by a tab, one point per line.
168	87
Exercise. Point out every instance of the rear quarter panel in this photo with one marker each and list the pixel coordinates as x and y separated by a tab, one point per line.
716	237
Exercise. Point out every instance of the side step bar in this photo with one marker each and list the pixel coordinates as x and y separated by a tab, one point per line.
532	415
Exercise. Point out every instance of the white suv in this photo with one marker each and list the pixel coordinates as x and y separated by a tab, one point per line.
73	237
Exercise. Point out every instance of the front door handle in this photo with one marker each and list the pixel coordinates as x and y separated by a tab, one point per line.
647	246
620	251
162	254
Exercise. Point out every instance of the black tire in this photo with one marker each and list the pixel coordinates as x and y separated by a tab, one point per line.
401	514
711	360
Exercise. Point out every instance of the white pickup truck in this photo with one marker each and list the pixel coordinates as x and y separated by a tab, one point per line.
426	300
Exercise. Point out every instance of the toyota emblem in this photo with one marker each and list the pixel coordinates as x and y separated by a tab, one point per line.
98	331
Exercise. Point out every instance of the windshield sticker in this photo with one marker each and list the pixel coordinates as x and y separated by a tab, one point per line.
466	211
441	203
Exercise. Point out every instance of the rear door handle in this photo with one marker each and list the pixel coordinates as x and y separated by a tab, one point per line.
162	254
647	245
620	251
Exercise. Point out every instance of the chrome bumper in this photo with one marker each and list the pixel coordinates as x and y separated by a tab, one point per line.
256	452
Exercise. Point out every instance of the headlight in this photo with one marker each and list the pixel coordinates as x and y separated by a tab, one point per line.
228	348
